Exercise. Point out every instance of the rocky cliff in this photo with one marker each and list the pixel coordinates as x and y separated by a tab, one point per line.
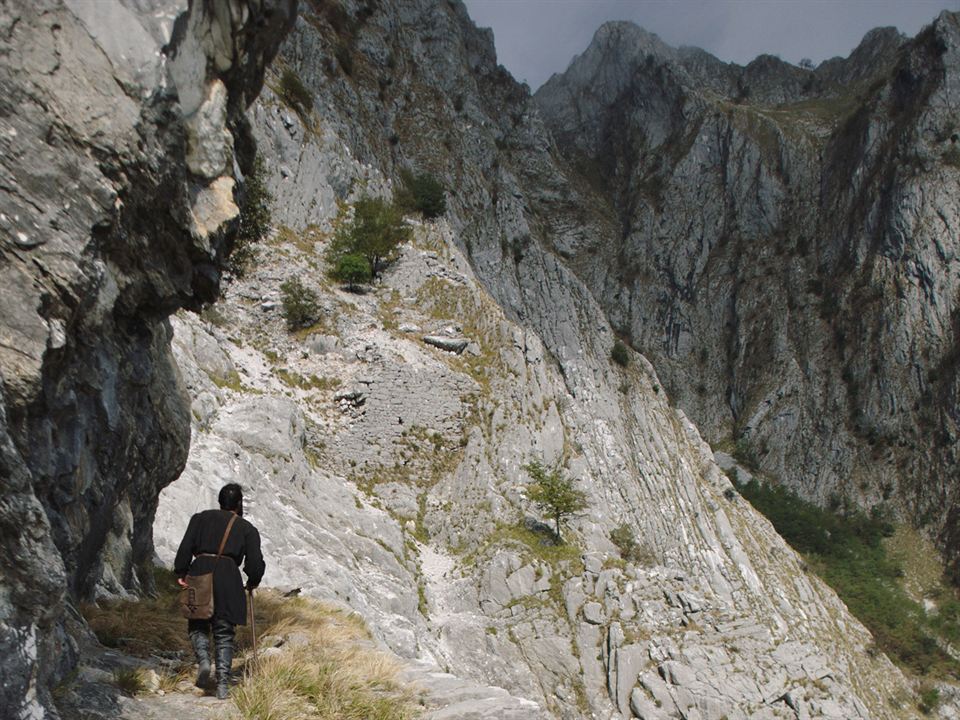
123	143
785	251
386	472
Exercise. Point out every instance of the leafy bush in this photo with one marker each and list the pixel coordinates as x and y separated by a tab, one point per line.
352	269
375	232
300	307
294	93
630	550
422	193
745	455
255	218
554	493
619	354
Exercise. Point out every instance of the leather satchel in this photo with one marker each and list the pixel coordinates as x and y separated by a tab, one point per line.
196	600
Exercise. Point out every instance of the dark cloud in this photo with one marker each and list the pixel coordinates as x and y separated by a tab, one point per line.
536	38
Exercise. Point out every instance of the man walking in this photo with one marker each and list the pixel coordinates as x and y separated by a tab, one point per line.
197	555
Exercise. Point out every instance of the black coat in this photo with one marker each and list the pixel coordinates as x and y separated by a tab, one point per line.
203	537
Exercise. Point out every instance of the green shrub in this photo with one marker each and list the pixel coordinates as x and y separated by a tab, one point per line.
375	233
255	218
630	550
300	307
744	454
294	93
928	699
554	493
422	193
619	354
352	269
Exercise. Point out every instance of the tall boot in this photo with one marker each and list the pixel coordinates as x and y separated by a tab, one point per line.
201	648
223	633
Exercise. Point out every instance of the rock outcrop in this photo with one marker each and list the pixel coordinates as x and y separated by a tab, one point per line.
122	143
785	252
417	452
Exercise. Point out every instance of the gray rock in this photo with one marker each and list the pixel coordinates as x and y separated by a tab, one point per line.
450	344
642	707
323	344
104	93
593	613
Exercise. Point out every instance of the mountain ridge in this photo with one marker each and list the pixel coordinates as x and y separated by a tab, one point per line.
804	192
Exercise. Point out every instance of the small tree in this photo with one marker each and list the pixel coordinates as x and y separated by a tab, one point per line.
619	354
255	218
375	232
300	308
352	269
554	494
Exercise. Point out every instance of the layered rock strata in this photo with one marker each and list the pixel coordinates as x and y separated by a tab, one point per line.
122	143
418	451
785	252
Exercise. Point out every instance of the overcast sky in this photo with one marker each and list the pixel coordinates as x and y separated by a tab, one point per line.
536	38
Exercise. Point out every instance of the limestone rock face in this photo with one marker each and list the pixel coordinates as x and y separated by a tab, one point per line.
786	252
416	452
105	232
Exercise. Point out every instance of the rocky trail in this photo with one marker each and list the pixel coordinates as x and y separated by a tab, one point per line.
165	693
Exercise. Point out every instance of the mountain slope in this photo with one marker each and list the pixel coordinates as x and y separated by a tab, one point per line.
718	616
786	252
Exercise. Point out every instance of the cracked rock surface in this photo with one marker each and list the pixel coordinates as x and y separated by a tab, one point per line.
424	447
105	232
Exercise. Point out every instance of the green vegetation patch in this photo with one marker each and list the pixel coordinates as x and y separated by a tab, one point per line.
300	305
422	193
294	93
255	218
619	354
313	382
848	552
535	545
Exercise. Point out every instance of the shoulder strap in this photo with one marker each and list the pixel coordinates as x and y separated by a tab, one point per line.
226	533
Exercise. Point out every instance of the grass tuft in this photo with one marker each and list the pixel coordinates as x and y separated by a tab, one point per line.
129	681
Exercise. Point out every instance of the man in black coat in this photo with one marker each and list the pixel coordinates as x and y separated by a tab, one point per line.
198	555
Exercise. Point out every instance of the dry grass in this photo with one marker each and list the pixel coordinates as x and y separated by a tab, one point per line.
920	561
336	675
142	627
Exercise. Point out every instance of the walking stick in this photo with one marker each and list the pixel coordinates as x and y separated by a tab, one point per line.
253	630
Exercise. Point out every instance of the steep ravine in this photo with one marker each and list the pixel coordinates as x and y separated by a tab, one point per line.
416	453
122	144
786	252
